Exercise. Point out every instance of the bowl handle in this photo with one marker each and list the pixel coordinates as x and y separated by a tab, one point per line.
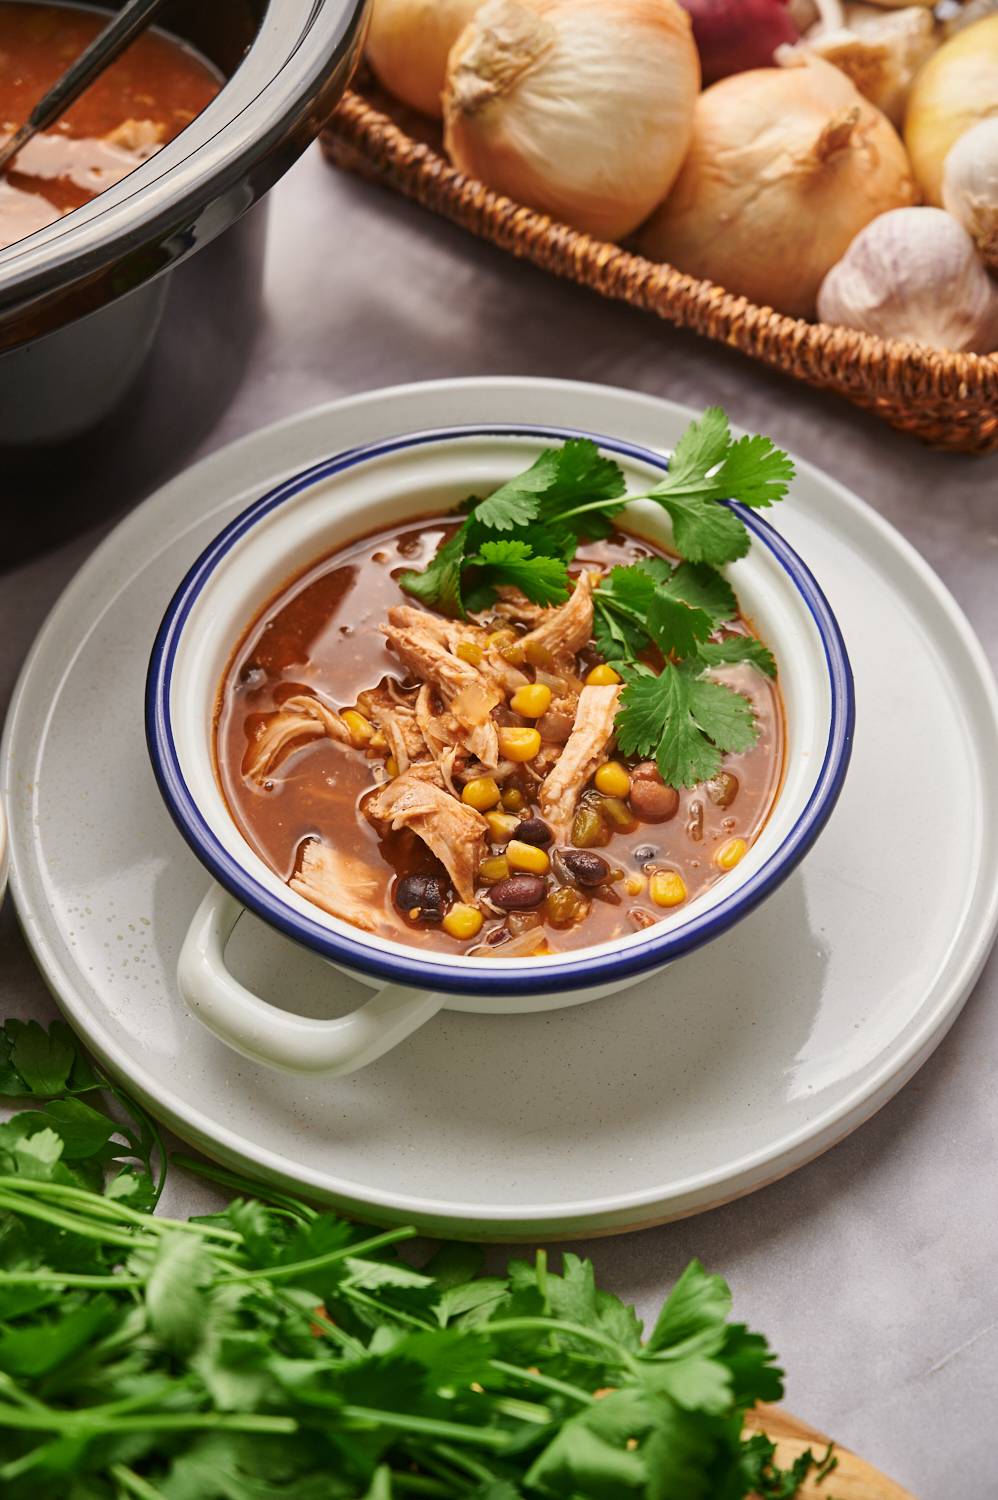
275	1037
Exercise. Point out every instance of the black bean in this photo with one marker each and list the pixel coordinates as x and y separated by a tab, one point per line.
427	893
587	867
535	831
518	892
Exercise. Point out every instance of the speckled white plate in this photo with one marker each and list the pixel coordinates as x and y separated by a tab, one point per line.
735	1066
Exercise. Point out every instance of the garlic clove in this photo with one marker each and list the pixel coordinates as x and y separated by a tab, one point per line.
913	274
881	51
582	109
970	186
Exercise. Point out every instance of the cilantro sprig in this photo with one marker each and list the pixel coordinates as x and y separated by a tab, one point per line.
528	530
267	1349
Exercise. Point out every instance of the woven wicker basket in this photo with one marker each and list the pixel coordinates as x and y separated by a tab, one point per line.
948	400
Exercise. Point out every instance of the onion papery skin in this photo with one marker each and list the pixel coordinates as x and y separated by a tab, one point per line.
582	109
952	91
786	166
408	43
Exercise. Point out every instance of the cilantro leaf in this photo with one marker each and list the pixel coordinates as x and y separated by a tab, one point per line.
694	1316
675	627
439	583
701	587
36	1061
704	530
708	468
736	649
685	722
560	478
755	472
724	716
544	580
621	605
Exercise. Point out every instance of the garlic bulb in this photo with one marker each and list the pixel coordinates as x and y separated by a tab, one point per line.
880	50
970	186
957	87
786	166
914	274
407	46
580	108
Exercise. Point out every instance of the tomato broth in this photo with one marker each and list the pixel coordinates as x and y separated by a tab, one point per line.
322	635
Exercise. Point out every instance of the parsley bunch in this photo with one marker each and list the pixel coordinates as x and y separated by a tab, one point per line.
270	1350
527	532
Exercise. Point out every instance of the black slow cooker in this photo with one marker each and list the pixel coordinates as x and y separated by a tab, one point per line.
82	300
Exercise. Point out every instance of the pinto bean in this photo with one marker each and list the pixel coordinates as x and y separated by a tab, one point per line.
650	798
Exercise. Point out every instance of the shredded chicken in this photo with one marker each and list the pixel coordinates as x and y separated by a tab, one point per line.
299	718
337	883
593	727
420	641
565	630
451	830
512	605
396	718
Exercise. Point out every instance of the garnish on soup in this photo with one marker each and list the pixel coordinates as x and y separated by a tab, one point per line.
571	733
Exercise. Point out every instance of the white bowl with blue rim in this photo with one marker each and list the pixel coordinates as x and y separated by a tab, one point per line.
326	507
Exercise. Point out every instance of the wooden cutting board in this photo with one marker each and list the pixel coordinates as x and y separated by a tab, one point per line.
852	1478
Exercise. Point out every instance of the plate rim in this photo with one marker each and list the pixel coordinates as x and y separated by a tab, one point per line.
659	1202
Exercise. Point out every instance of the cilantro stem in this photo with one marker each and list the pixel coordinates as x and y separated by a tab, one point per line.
112	1208
325	1324
534	1377
134	1484
355	1294
481	1437
242	1185
83	1227
81	1423
465	1462
319	1262
419	1484
560	1325
68	1278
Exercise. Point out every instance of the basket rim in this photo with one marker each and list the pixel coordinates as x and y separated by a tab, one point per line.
856	361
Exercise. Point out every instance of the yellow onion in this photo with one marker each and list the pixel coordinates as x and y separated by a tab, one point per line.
580	108
408	43
956	87
787	165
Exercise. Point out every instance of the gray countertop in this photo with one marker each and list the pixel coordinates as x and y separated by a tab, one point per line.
872	1269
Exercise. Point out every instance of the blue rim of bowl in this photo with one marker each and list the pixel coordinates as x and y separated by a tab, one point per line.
584	970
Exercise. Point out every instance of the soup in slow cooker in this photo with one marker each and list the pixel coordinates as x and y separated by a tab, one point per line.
142	101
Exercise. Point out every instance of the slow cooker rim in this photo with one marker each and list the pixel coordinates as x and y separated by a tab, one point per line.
60	262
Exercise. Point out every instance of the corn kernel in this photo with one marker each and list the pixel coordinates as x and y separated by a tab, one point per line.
470	652
361	729
392	766
519	744
501	638
634	885
602	675
463	922
527	857
613	779
496	867
512	799
531	701
377	741
667	888
481	794
730	852
502	826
